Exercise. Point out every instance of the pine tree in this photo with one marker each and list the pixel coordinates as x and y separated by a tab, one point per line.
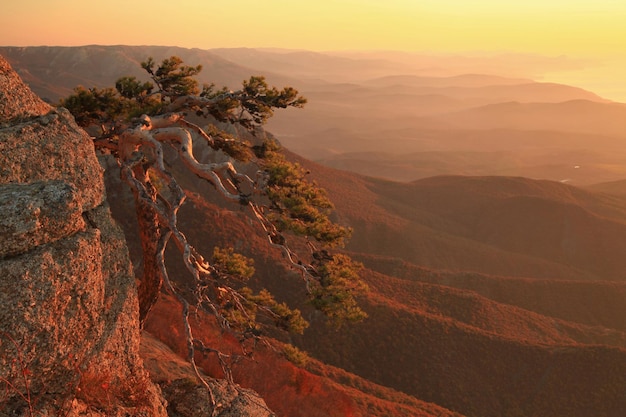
136	119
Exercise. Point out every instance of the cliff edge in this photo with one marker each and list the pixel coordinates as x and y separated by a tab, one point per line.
69	338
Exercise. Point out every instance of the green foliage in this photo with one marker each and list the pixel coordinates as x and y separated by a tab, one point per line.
296	356
173	78
94	105
231	263
259	100
299	205
295	204
241	307
338	284
131	88
225	103
243	310
131	97
256	101
237	149
112	109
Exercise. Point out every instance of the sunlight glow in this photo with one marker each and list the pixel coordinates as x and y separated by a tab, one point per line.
576	28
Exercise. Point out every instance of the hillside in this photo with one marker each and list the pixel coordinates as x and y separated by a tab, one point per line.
497	225
519	300
52	72
391	115
489	295
608	119
438	333
312	390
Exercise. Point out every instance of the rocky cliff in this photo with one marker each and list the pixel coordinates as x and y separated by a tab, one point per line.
69	339
69	325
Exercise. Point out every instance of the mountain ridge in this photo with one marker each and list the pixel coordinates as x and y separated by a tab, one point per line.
477	319
546	135
448	295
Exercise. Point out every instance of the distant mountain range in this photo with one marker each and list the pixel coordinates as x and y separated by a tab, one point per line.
494	289
383	114
53	72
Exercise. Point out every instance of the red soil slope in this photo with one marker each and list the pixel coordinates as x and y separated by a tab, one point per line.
540	336
318	390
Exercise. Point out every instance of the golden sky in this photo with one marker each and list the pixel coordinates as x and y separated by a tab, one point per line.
576	28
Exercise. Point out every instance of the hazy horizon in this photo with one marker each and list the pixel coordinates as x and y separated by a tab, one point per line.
487	211
591	34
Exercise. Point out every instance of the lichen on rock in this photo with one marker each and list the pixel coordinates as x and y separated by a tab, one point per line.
37	213
51	147
69	334
17	101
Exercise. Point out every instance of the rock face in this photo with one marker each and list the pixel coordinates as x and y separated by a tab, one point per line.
187	398
69	336
16	100
69	322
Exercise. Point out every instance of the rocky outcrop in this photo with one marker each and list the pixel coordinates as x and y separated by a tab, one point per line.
17	101
69	325
69	335
187	398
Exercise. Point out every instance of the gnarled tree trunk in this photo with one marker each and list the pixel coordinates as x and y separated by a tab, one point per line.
151	279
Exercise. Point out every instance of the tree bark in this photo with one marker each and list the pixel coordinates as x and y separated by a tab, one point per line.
151	279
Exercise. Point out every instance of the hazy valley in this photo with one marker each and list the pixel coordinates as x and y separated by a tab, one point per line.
489	211
393	116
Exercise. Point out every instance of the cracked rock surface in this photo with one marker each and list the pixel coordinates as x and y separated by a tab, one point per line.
69	334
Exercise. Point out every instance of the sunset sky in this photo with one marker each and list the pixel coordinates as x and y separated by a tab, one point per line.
575	28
